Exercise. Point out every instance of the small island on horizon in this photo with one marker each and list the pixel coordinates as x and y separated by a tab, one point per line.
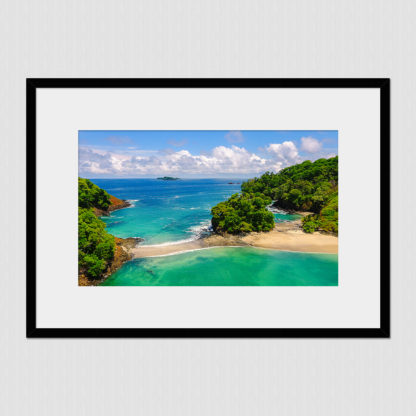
168	178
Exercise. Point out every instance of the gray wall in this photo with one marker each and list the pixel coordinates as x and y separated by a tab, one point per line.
217	38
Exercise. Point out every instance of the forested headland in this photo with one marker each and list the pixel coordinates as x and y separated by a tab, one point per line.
96	246
308	186
98	250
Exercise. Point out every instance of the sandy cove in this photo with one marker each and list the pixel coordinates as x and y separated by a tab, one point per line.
285	236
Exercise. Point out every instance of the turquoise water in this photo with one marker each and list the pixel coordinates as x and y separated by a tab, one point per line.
229	266
280	217
165	212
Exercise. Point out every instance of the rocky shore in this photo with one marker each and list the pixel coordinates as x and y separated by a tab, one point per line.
116	204
122	254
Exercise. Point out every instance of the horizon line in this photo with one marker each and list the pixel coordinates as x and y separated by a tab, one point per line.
83	177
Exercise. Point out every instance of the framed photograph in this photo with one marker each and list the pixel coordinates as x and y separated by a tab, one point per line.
208	208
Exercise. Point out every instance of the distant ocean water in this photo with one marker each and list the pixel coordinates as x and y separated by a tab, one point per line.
166	212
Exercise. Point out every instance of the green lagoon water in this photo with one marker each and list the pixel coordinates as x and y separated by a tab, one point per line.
230	266
167	212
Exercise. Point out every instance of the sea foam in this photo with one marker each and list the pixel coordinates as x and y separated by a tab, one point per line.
132	202
198	231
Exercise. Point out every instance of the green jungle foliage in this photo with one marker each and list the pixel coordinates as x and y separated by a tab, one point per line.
308	186
243	213
95	245
90	195
326	220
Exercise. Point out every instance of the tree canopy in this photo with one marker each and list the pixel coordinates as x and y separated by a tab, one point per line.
242	213
95	245
308	186
90	195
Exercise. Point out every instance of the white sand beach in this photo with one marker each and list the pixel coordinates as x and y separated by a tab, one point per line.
285	236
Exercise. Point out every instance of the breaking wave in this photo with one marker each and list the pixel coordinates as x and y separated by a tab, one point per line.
198	231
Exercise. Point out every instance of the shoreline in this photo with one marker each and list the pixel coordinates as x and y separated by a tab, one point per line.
122	245
229	246
284	237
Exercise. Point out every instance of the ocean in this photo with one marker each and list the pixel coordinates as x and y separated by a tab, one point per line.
167	212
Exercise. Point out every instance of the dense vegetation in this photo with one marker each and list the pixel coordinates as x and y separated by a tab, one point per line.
95	245
92	196
325	220
308	186
243	213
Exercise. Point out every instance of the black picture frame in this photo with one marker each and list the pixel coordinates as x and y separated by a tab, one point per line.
32	331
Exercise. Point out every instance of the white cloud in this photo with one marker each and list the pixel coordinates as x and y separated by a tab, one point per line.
285	153
234	136
310	145
220	160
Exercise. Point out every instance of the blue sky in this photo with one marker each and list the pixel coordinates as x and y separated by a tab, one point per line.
209	153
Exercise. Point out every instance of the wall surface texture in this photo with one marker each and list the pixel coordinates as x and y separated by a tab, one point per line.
195	38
